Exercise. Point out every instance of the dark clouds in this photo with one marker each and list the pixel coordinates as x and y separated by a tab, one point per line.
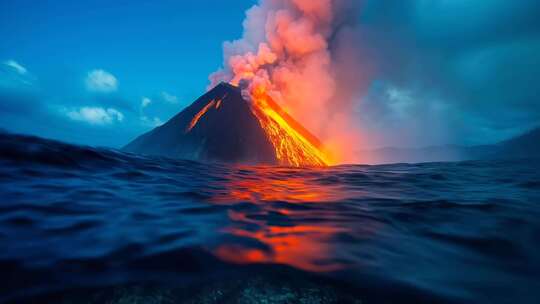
450	71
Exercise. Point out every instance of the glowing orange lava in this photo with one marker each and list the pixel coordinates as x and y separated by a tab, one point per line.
200	114
293	144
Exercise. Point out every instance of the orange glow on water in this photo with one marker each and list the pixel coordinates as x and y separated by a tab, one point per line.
286	237
300	246
278	188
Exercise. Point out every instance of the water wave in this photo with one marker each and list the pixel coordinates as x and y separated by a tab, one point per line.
76	219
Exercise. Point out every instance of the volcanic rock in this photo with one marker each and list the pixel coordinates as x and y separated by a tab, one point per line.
222	126
219	126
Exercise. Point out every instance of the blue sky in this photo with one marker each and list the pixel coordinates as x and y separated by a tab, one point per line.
159	50
101	72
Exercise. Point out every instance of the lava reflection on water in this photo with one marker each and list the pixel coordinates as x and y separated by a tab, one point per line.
286	222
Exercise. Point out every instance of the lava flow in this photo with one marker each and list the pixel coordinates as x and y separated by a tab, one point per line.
293	144
200	114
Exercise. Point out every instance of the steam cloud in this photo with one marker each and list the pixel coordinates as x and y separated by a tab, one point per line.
302	53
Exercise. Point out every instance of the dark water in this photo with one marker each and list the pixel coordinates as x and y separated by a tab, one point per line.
80	225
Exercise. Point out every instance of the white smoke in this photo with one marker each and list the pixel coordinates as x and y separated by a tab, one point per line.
288	48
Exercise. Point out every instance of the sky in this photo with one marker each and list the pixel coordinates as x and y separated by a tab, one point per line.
434	72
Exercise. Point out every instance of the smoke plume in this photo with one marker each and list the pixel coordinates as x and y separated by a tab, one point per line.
301	52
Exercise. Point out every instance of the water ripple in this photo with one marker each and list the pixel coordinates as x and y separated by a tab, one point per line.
78	217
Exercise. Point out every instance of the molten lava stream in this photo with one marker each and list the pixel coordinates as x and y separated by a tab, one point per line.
293	144
201	113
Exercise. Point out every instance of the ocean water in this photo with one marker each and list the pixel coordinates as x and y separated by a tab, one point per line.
85	225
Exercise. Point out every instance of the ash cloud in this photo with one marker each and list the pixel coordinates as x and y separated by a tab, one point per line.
400	73
294	50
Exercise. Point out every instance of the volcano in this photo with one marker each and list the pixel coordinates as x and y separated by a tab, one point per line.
223	126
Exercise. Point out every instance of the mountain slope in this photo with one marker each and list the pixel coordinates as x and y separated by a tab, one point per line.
526	145
219	126
523	146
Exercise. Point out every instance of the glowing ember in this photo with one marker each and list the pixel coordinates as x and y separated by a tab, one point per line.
293	144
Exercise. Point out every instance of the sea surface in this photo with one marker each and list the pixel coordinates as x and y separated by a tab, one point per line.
87	225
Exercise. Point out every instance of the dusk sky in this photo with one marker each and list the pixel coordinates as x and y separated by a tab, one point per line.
102	72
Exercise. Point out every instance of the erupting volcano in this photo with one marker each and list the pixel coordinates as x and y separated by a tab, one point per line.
224	126
288	63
